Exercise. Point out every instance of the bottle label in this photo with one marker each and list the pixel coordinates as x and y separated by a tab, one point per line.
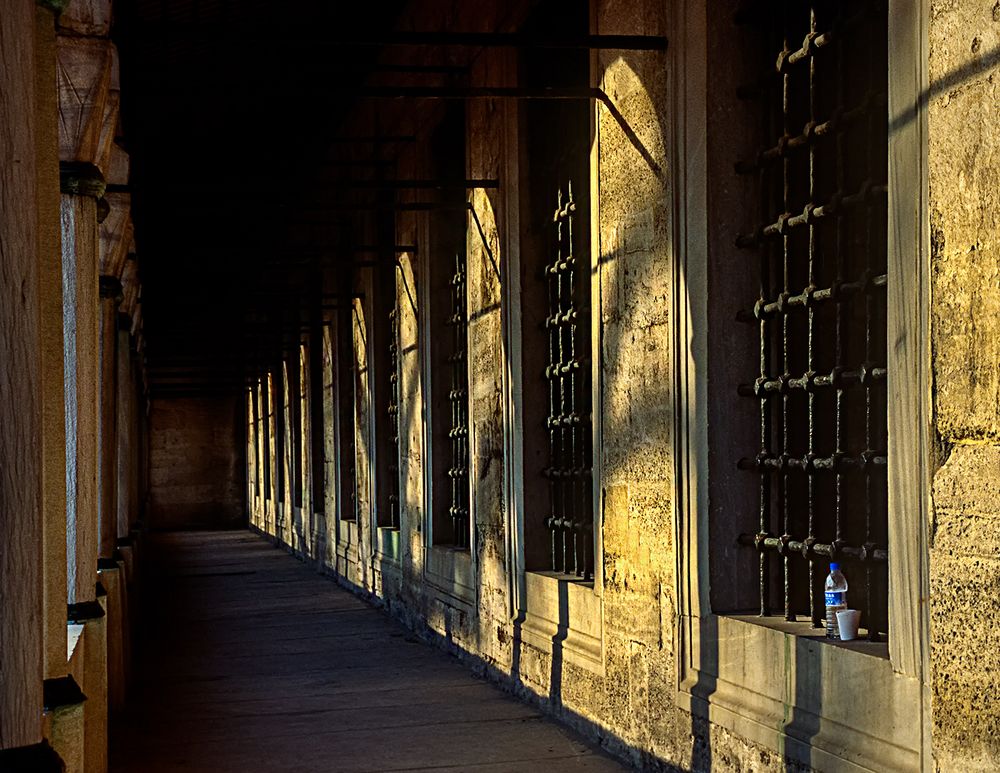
836	598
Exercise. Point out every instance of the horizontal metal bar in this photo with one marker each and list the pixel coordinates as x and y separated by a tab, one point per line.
812	213
837	292
813	131
810	463
811	549
582	525
838	378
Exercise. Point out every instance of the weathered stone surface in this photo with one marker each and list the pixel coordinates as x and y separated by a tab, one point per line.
965	575
21	656
108	439
82	341
119	165
90	18
196	473
85	99
116	234
964	156
50	299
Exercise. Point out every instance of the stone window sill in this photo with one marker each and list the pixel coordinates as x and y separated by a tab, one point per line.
450	570
831	705
563	616
387	543
805	630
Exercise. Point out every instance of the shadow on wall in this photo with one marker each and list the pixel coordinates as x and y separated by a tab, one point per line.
196	464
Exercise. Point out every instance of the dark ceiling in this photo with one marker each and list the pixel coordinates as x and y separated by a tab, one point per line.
249	124
234	114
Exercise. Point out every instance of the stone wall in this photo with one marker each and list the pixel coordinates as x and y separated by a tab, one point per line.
608	657
197	477
964	156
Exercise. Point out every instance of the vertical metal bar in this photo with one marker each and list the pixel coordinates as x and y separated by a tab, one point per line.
840	342
867	384
810	482
786	247
766	404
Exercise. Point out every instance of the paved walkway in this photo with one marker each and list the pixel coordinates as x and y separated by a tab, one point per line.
253	662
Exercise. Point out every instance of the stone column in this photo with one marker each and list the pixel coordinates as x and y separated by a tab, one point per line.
126	442
82	184
110	293
88	119
21	529
51	348
62	698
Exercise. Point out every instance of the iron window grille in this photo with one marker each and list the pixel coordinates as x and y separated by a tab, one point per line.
570	519
347	390
821	248
296	426
279	433
458	399
392	411
265	410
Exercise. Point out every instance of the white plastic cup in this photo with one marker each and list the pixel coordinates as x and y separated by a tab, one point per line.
848	621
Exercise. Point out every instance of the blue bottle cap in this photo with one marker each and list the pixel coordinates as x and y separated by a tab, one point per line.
834	567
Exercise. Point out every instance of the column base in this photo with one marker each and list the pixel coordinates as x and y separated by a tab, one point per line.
112	577
63	721
89	664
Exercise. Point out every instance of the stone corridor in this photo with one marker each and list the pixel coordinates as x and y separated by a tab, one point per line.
253	662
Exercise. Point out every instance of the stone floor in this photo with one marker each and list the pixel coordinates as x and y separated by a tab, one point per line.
253	662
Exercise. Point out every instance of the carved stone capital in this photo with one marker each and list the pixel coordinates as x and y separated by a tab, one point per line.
81	178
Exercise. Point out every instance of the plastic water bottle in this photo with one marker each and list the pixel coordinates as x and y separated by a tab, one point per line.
836	600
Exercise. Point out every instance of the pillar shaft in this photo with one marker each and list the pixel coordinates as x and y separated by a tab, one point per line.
82	337
108	450
20	384
51	331
123	433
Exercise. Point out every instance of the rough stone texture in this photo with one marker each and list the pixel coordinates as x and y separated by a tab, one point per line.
50	309
965	575
126	455
196	471
90	18
108	438
20	385
964	154
116	234
85	101
631	695
81	341
95	686
965	218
